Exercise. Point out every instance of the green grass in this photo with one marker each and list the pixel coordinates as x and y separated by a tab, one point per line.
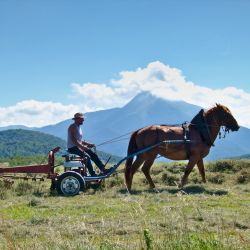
201	216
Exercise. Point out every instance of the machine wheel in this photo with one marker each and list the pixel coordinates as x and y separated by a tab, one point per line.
70	183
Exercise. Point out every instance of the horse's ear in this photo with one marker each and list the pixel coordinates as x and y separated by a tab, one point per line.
216	104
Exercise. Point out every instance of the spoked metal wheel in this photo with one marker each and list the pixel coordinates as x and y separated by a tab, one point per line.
70	183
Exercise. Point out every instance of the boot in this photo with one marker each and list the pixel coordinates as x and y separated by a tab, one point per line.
105	170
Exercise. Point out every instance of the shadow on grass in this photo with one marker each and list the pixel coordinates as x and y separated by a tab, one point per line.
187	190
200	190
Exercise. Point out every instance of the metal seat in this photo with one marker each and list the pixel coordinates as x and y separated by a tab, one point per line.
75	163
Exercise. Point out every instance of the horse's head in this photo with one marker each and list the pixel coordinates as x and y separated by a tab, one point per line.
226	118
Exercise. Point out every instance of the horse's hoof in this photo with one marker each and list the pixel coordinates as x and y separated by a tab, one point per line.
129	188
179	185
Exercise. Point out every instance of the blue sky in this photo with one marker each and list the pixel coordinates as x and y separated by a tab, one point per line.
58	57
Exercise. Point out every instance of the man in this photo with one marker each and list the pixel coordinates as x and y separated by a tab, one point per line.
77	146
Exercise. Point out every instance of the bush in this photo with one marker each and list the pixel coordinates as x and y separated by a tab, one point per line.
224	166
177	167
194	177
168	179
243	176
242	164
216	178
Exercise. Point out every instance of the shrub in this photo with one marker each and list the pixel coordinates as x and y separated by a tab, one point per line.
216	178
168	179
243	176
177	167
194	178
224	166
242	164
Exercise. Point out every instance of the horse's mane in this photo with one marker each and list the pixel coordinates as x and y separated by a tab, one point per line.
219	107
198	121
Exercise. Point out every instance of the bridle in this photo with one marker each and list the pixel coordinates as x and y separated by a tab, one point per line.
225	128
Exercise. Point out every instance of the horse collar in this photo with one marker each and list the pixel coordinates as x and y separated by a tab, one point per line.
210	143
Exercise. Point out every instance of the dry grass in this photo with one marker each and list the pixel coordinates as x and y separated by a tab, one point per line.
211	216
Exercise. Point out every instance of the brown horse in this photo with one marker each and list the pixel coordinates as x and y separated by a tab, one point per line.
202	131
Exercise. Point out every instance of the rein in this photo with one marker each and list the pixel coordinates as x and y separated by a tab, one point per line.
115	139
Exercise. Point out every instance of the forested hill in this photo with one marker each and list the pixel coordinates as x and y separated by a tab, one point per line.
25	142
247	156
14	142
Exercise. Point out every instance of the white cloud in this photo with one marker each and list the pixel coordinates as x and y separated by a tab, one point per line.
36	114
94	94
159	79
165	82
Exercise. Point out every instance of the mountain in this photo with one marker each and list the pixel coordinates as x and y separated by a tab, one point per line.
92	123
16	127
145	109
247	156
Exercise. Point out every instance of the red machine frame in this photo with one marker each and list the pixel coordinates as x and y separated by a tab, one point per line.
33	169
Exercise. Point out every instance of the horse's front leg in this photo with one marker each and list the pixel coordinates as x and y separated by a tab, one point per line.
201	168
188	170
146	169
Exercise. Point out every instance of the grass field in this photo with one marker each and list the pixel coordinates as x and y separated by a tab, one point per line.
215	215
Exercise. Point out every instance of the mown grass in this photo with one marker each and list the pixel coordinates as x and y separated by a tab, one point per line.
200	216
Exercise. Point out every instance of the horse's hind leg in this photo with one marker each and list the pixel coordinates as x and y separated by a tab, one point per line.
200	165
146	170
136	164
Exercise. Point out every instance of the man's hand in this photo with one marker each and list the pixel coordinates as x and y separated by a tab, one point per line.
84	148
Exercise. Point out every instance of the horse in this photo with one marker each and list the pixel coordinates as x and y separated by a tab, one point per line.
198	137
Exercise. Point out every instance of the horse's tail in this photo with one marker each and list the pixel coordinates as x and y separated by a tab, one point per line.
131	149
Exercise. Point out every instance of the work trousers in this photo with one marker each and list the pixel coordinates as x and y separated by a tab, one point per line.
89	155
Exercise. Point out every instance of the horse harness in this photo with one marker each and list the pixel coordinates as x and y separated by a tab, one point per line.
200	124
185	128
185	138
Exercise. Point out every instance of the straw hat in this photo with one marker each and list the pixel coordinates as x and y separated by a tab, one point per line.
78	115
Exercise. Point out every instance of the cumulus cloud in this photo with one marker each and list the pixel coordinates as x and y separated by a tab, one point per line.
95	95
161	80
165	82
36	114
